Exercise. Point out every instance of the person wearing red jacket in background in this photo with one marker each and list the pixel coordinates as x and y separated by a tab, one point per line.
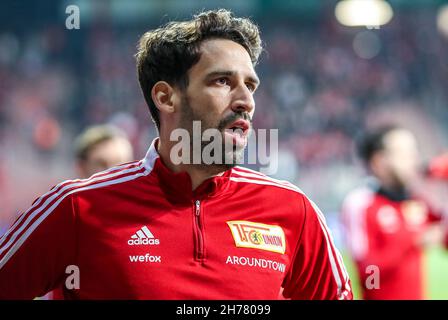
387	226
163	229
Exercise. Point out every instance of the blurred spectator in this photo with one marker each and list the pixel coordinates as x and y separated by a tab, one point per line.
101	147
388	225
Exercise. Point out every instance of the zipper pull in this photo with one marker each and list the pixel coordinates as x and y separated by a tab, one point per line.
198	207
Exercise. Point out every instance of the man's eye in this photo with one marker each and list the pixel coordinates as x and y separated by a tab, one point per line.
250	86
222	81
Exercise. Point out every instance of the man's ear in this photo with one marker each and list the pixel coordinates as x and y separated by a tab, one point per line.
164	95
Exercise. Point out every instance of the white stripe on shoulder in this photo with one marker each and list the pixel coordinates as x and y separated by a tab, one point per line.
110	170
58	190
334	268
332	248
66	182
242	176
81	186
255	174
264	182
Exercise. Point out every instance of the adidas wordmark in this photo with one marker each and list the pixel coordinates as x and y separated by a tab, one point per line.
143	237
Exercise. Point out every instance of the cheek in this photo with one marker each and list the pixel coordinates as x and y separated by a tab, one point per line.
209	107
203	102
405	166
217	97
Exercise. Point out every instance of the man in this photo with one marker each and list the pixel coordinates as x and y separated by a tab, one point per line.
101	147
154	229
388	225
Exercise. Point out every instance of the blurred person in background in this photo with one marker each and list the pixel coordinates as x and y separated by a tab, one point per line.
101	147
387	225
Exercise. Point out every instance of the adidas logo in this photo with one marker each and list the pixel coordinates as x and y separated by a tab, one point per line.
143	237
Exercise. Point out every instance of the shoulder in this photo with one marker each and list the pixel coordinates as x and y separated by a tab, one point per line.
261	182
118	175
280	194
255	178
358	200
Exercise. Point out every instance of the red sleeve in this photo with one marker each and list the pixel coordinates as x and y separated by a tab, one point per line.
370	242
36	250
433	215
317	270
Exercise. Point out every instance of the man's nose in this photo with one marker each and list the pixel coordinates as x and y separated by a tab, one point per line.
243	100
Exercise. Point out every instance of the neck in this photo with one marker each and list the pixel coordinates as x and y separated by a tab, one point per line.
198	173
394	194
392	185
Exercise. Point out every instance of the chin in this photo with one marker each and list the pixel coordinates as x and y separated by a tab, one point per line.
234	158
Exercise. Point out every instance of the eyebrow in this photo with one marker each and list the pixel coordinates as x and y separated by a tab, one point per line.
230	73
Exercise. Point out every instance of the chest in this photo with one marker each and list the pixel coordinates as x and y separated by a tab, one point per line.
206	249
405	216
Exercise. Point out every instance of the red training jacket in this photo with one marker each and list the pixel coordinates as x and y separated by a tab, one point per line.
383	232
137	231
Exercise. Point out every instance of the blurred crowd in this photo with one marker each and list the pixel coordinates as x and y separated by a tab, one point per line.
322	85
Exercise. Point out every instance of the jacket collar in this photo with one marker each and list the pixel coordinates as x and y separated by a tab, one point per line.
177	186
394	195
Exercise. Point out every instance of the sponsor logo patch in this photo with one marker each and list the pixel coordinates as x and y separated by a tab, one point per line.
143	237
146	258
388	219
256	262
414	212
258	236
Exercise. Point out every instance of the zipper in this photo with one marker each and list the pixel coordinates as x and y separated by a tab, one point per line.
199	249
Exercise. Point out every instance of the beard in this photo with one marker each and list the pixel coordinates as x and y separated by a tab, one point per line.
397	181
231	153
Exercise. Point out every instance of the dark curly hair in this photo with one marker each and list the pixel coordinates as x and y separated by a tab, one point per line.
167	53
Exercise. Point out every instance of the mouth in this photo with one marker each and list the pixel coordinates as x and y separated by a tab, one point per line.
239	126
237	132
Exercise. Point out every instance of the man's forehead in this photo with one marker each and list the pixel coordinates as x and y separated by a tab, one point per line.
223	54
399	138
